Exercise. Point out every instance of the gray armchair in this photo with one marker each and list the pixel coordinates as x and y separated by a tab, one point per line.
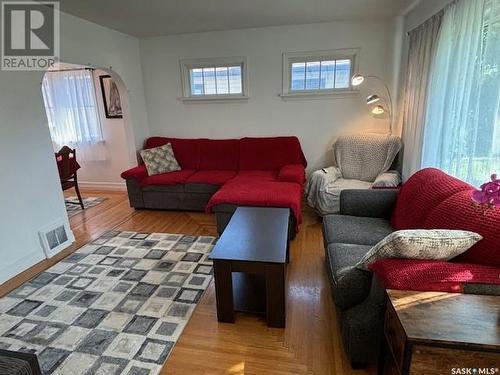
361	161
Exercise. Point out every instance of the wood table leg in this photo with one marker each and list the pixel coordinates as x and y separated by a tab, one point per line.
224	291
275	295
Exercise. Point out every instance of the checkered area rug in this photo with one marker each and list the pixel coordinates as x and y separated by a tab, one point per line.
116	306
73	205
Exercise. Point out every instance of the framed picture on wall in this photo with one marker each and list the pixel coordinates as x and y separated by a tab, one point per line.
111	97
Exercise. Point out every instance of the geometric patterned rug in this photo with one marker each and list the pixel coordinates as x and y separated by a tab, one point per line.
116	306
73	205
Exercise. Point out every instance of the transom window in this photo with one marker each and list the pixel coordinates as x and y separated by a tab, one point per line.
223	78
323	72
216	80
321	75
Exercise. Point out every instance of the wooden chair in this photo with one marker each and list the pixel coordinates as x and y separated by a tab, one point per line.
67	166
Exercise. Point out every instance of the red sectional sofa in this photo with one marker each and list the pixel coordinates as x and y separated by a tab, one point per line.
218	175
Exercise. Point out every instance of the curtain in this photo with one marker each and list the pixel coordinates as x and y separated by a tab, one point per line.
72	113
462	130
421	49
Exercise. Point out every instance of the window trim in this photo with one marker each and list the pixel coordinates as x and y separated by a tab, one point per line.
187	64
335	54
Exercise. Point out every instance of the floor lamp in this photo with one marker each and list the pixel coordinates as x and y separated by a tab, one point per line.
379	109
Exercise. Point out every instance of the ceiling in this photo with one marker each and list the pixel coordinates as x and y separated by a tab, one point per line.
143	18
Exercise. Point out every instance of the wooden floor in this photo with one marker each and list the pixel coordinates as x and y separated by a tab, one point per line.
310	344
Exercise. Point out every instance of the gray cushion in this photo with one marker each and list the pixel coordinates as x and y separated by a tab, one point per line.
201	188
369	203
177	188
225	207
350	285
355	229
361	327
488	289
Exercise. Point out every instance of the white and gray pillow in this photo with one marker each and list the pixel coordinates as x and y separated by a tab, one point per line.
387	179
160	160
435	244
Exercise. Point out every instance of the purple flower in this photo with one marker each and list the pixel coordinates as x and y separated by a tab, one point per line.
489	195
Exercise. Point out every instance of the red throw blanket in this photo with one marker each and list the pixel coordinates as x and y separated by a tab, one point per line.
261	194
432	275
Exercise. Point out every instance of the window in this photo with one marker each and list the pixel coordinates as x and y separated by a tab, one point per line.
71	107
462	121
318	73
223	78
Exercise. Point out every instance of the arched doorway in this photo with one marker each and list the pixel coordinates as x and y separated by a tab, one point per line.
101	132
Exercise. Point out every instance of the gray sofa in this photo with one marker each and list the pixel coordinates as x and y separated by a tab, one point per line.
359	296
186	197
363	221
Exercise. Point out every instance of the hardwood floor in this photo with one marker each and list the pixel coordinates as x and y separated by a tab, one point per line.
310	343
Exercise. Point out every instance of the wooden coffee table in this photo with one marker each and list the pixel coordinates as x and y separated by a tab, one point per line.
250	264
441	333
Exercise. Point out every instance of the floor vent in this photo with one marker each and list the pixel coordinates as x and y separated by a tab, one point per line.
54	238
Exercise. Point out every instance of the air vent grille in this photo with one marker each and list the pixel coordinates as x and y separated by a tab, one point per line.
54	238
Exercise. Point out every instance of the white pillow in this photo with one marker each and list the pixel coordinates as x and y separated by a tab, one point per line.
437	244
387	179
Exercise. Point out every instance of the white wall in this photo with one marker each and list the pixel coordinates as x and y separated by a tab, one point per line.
104	171
315	122
84	42
30	193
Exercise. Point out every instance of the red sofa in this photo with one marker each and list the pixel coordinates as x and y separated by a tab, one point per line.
220	175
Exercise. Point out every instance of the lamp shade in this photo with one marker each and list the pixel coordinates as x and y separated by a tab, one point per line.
378	110
357	79
372	99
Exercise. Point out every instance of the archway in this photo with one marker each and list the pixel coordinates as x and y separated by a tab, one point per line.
103	160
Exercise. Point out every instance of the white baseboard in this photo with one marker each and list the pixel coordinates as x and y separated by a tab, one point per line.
12	269
106	186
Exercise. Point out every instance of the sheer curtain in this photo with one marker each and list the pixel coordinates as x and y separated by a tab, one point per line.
72	113
462	130
421	50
